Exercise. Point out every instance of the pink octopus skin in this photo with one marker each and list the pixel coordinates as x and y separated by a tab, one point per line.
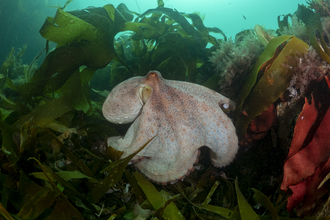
182	117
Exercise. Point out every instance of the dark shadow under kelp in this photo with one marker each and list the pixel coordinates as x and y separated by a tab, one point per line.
53	132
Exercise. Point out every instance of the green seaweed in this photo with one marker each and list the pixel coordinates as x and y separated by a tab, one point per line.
136	189
76	93
45	114
8	145
62	178
28	136
5	213
45	198
80	164
4	113
65	175
65	28
84	38
155	198
115	172
245	208
313	25
265	202
284	23
125	12
184	24
267	54
271	85
40	201
165	41
5	67
227	213
247	212
160	3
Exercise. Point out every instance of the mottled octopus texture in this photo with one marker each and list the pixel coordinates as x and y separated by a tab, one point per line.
181	116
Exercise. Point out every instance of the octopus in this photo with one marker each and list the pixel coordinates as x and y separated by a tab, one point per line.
176	118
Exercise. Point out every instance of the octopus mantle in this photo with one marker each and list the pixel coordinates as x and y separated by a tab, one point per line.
181	116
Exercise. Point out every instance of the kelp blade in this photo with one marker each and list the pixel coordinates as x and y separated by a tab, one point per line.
9	147
5	213
113	176
227	213
65	175
64	210
73	91
46	113
266	55
216	209
78	162
156	199
68	29
313	24
265	202
39	204
245	208
272	84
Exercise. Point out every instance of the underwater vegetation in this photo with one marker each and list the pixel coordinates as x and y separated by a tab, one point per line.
308	163
55	163
232	61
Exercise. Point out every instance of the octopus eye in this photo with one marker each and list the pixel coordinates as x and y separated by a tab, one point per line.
145	93
225	106
152	74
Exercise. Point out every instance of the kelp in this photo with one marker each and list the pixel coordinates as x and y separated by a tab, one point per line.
46	113
8	145
265	202
262	35
224	212
197	29
83	38
184	24
314	26
76	93
65	175
41	199
63	182
79	163
321	7
284	23
4	68
272	84
165	41
44	199
245	209
55	114
157	201
72	183
247	212
5	213
268	54
117	170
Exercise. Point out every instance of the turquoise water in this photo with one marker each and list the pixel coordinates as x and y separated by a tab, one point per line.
20	23
224	14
